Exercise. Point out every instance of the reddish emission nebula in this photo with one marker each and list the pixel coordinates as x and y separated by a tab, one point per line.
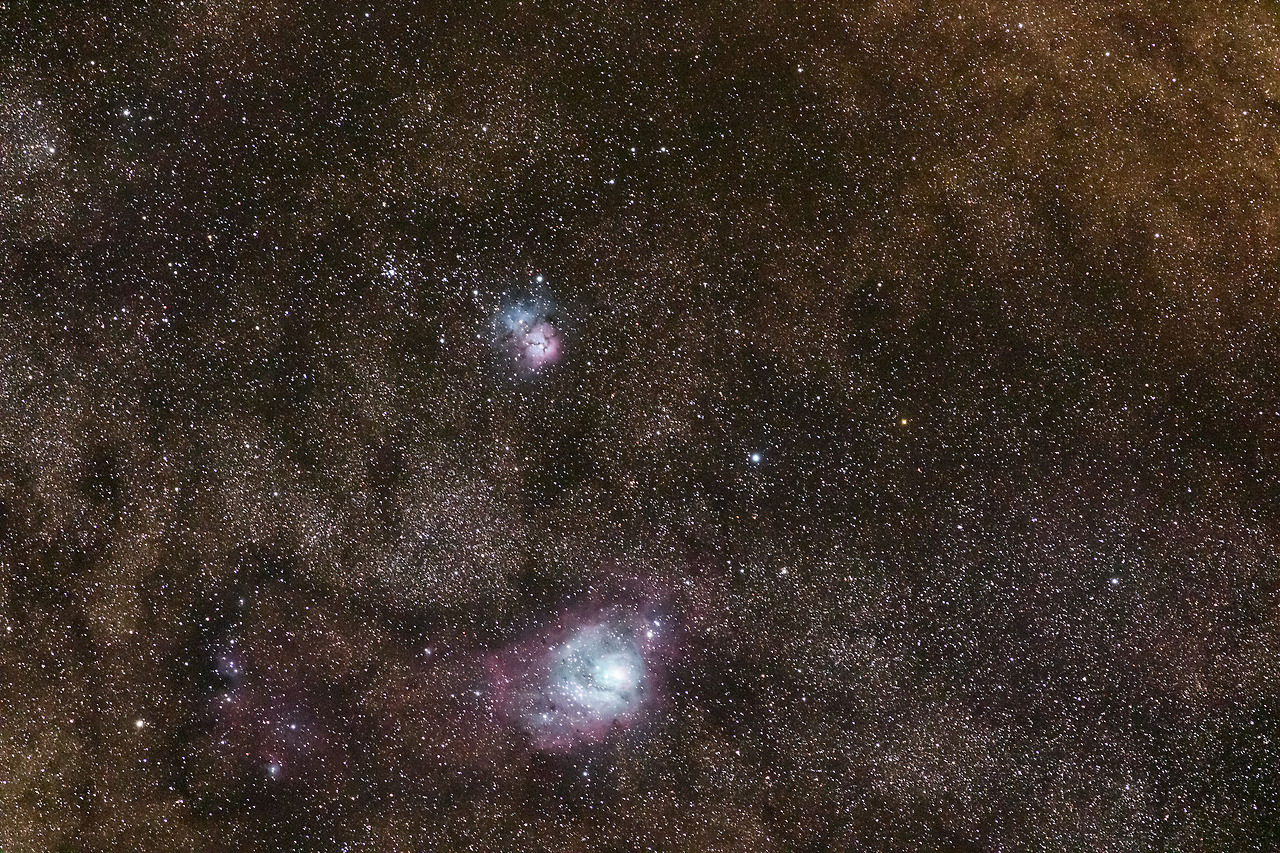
651	426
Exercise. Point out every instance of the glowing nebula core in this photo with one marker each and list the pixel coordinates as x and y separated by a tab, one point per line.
582	681
527	335
599	672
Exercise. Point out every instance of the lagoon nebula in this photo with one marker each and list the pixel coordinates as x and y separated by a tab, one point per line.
583	680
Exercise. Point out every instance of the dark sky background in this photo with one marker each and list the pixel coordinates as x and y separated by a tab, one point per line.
639	426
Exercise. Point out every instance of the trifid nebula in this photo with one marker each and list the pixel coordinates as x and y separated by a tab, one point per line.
645	426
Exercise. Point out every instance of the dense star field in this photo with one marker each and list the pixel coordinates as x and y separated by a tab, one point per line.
645	425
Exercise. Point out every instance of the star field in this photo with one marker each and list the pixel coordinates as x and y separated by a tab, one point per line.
639	426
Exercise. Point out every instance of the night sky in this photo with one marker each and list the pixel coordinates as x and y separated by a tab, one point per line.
644	425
